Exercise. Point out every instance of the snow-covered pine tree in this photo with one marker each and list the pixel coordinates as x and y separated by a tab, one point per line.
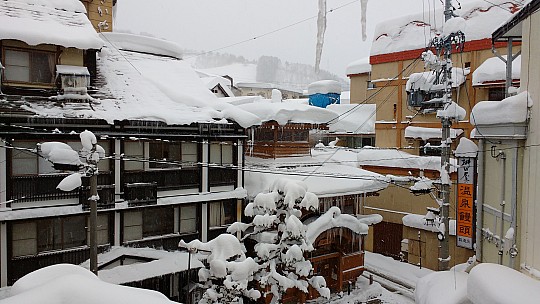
229	271
281	239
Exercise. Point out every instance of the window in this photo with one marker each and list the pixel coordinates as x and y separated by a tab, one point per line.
172	155
23	235
221	153
431	151
496	94
222	213
61	233
29	66
158	221
188	219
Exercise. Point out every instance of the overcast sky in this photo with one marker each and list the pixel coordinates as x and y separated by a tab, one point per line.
213	24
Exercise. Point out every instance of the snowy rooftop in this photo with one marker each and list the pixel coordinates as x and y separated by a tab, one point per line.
66	283
58	22
513	109
143	44
212	81
140	86
324	175
494	70
415	31
429	133
324	87
397	159
360	66
353	118
284	112
162	263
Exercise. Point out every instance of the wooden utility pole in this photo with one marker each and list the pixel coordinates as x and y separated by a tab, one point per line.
93	211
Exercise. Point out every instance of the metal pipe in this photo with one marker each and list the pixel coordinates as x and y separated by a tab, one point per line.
502	156
480	199
509	62
513	202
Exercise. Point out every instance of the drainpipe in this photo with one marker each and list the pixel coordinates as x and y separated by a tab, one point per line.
513	203
502	156
480	200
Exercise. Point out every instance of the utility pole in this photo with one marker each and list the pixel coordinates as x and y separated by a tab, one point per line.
93	211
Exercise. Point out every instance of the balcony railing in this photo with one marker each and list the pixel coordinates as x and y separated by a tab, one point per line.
43	188
140	194
222	176
166	179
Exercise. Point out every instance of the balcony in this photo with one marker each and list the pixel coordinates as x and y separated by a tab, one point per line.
222	176
140	194
166	179
31	188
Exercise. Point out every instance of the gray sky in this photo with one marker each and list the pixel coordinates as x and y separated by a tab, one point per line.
212	24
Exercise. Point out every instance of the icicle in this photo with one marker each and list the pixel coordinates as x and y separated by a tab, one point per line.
363	19
321	29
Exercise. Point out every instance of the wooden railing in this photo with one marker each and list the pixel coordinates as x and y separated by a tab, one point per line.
166	179
43	188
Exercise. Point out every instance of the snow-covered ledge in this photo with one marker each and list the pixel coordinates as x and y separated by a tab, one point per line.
507	118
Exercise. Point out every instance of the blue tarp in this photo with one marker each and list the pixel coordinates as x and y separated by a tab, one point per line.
323	100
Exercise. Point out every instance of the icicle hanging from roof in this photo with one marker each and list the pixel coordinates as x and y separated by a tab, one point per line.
363	18
321	29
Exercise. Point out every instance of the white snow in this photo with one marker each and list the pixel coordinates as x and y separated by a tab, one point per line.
71	70
286	112
513	109
404	273
414	31
64	156
212	81
466	148
444	287
321	29
454	25
418	221
398	159
88	140
143	44
424	81
363	18
333	218
423	183
65	283
452	111
57	22
429	133
360	66
162	263
324	87
497	284
353	118
494	69
223	247
70	182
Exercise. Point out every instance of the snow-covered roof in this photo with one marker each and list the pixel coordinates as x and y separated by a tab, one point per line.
213	81
284	112
140	86
397	159
240	72
57	22
71	70
267	86
143	44
513	109
324	87
353	118
415	31
360	66
66	283
494	69
324	176
162	263
429	133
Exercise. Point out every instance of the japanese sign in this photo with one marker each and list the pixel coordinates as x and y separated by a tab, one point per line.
465	219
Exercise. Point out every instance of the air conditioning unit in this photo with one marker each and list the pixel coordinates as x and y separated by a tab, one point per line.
72	79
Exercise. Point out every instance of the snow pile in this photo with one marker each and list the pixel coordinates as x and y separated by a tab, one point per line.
332	219
143	44
161	263
66	283
286	112
497	284
325	175
452	111
360	66
514	109
226	280
404	273
324	87
398	159
423	184
466	148
425	81
454	25
429	133
353	118
59	22
421	222
443	287
414	31
494	69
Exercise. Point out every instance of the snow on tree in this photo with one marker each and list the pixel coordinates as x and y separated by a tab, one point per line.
282	238
229	271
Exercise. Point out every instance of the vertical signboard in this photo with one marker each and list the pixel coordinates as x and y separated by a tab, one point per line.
465	207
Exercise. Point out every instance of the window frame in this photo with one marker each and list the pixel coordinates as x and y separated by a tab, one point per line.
224	220
30	53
